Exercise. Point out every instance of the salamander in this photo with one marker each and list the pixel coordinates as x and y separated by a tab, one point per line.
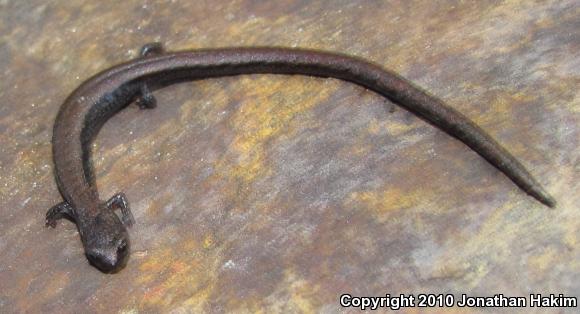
102	225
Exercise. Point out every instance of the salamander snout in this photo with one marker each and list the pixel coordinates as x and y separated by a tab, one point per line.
109	260
106	242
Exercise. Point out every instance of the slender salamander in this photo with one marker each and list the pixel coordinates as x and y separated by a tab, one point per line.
104	233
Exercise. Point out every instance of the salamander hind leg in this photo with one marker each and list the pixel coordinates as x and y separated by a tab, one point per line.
59	211
151	49
146	100
119	201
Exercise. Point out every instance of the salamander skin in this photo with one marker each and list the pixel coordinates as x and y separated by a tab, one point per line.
104	235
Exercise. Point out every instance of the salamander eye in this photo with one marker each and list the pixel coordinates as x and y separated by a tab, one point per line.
122	252
122	248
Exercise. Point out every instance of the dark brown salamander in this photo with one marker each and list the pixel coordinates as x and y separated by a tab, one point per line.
104	234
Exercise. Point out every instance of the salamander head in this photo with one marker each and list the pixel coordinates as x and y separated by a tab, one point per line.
106	242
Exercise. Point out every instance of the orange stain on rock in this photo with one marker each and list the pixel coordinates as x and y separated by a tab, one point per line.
269	106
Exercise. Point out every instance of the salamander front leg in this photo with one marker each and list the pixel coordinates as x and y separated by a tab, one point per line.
146	100
119	201
59	211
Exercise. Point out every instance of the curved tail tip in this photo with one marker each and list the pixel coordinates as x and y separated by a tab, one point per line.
541	195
